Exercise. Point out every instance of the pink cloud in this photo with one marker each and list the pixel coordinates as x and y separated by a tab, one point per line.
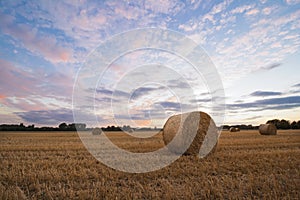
10	118
88	22
30	91
46	46
252	12
241	9
16	82
267	10
292	2
24	104
130	13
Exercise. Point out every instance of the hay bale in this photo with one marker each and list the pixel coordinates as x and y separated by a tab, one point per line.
130	130
179	130
96	131
233	129
267	129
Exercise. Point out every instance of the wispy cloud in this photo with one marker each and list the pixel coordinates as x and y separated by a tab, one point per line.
252	12
272	66
164	6
33	90
201	100
171	105
295	89
260	42
241	9
15	81
54	117
292	2
296	85
269	104
108	92
252	118
265	93
49	117
143	91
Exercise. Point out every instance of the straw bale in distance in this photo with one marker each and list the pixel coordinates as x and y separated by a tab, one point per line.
96	131
233	129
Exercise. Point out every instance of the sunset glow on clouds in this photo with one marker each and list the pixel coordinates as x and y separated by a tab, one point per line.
254	45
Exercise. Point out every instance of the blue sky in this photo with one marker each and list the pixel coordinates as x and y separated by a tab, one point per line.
255	46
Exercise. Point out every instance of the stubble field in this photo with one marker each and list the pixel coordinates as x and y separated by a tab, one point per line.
56	165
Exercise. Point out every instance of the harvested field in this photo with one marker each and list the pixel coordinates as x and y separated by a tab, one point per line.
56	165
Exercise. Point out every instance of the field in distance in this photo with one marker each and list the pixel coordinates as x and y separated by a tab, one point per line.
56	165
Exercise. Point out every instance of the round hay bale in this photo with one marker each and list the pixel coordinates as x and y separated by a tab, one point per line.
267	129
195	128
96	131
233	129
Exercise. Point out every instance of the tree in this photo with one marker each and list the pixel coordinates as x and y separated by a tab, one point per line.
63	126
298	125
72	127
80	126
284	124
294	125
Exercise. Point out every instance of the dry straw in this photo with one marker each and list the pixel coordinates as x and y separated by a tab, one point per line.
267	129
185	125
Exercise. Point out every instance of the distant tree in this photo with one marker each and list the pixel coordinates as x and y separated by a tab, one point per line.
295	125
284	124
226	127
72	127
80	126
126	128
112	128
63	126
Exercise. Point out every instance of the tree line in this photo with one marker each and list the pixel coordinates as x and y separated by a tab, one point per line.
61	127
280	124
67	127
285	124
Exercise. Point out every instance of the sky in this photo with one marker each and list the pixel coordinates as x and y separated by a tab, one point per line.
47	49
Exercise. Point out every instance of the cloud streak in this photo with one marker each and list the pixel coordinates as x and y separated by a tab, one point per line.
47	117
269	104
272	66
55	117
265	93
